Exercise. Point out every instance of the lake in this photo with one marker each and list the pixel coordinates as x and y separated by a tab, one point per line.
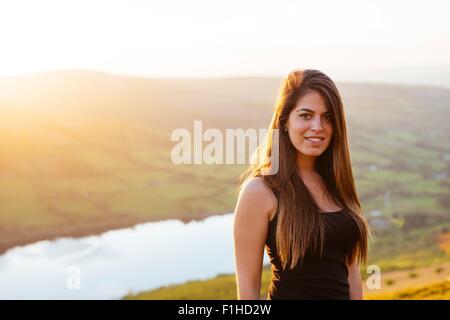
112	264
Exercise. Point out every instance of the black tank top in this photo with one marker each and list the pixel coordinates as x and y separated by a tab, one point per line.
315	277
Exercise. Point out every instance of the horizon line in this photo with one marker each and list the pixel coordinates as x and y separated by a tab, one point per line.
236	76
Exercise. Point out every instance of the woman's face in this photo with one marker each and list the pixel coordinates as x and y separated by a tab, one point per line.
310	119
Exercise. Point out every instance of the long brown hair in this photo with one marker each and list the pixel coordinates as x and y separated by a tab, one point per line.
299	226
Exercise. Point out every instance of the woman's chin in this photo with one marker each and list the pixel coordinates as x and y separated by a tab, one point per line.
310	153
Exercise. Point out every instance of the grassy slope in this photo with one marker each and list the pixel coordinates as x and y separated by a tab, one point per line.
435	291
419	257
223	287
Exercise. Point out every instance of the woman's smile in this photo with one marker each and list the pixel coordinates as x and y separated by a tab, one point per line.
314	141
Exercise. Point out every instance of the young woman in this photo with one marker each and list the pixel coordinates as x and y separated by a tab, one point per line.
307	215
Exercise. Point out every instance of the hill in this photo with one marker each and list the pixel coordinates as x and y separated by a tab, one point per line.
83	152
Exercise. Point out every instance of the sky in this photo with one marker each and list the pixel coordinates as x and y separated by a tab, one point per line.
227	38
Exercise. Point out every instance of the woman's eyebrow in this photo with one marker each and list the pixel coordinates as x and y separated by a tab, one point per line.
308	110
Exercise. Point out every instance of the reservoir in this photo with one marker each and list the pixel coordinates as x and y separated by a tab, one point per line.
117	262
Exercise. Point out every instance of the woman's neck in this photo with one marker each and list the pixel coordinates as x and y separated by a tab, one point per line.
306	165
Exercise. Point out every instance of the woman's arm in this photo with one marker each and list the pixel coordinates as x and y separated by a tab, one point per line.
251	220
354	280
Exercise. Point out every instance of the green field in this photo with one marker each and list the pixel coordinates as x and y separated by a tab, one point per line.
224	288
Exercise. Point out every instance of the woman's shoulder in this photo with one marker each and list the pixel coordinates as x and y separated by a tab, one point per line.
257	186
258	194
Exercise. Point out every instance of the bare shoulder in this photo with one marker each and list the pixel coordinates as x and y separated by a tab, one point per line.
258	196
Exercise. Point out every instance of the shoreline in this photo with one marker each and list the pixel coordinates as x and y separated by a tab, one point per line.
95	228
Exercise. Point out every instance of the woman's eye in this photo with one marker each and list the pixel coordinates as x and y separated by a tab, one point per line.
308	116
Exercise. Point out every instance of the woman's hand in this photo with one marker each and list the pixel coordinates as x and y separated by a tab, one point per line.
354	280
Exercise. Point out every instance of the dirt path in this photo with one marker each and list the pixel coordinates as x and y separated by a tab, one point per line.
407	279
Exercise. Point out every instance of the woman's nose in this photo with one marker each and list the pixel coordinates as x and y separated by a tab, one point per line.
316	124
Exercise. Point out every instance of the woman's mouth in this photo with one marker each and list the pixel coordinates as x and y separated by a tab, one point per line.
314	140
